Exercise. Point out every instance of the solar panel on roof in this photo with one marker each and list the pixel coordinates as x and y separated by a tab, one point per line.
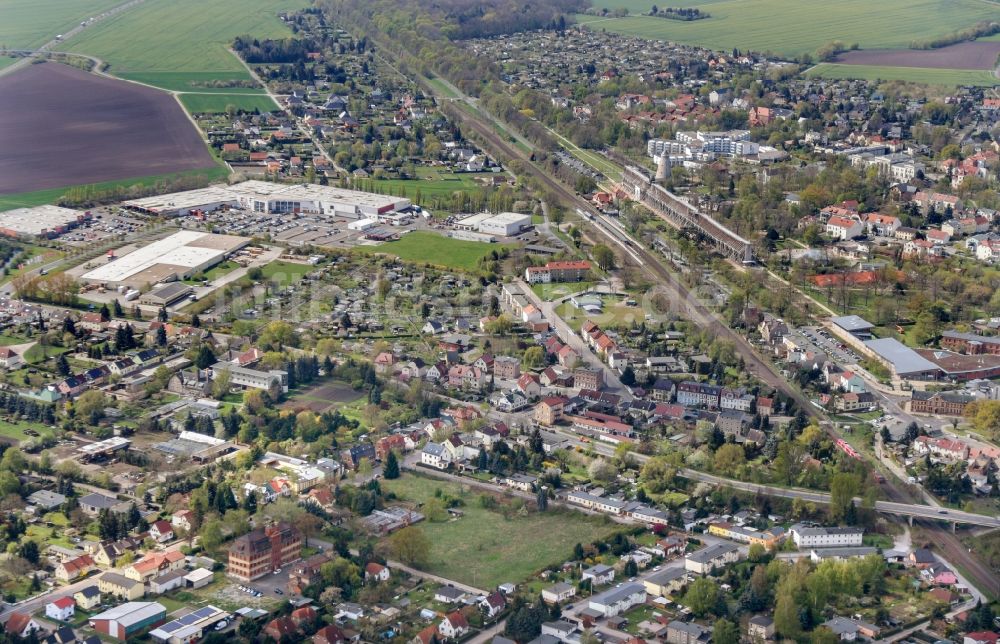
170	627
205	611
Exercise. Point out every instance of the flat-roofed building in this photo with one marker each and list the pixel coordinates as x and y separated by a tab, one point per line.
176	257
40	221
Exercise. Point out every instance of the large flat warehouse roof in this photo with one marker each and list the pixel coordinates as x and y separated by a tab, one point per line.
184	250
243	194
33	221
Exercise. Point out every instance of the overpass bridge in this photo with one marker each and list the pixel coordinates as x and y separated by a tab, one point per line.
680	214
909	510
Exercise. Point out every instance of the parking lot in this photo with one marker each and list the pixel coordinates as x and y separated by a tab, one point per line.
832	346
107	223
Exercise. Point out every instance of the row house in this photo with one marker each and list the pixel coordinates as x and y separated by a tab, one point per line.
696	394
737	399
843	228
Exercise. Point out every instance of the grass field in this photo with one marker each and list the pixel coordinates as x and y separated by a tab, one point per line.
183	40
6	60
430	182
285	273
945	77
793	27
429	248
27	199
211	103
27	24
484	548
15	431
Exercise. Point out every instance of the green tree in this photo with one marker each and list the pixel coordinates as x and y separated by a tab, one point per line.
702	596
391	469
604	256
844	486
410	545
725	632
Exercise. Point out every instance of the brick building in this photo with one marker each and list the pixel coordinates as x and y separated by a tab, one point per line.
263	550
948	403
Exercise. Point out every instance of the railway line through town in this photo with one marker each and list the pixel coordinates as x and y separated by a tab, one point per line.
689	307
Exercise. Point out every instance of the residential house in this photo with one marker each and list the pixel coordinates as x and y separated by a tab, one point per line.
116	585
666	582
760	628
599	575
618	600
558	593
161	531
88	598
679	632
711	557
376	572
61	610
71	569
454	625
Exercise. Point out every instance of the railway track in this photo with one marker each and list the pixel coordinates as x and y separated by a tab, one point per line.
689	307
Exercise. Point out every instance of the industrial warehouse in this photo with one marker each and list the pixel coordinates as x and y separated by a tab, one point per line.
266	197
40	221
176	257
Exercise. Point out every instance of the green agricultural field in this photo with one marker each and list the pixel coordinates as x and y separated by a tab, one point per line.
213	103
793	27
185	40
27	24
945	77
429	248
6	61
39	197
484	548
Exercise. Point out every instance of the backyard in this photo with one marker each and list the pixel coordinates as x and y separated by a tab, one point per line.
485	547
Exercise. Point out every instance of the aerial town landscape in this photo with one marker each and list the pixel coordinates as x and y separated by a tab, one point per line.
561	322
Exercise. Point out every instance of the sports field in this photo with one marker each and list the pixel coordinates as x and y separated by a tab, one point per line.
429	248
484	548
211	103
942	77
25	24
793	27
180	44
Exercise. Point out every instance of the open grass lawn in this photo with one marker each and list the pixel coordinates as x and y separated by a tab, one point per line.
554	291
53	195
189	39
945	77
6	60
444	184
429	248
38	353
7	340
15	430
285	273
26	24
485	549
215	103
793	27
217	271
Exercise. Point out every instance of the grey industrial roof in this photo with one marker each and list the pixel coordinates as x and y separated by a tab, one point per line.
852	323
904	359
